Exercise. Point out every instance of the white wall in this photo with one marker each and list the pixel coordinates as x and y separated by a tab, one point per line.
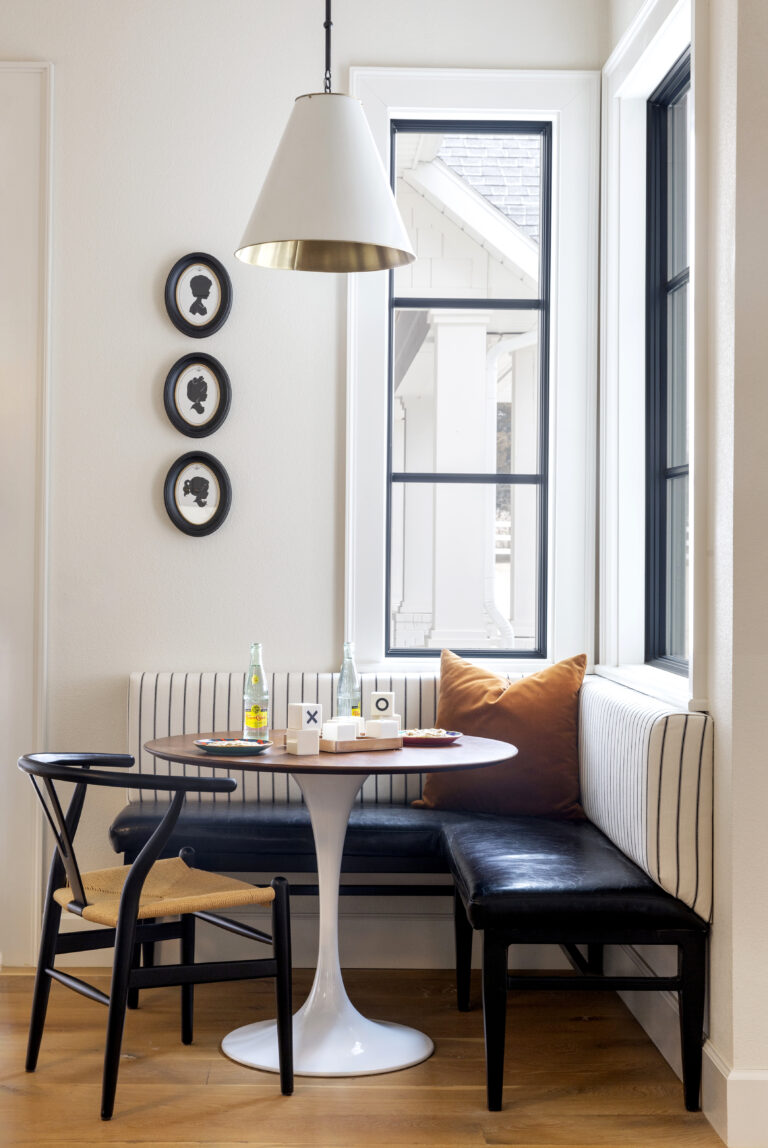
623	13
167	113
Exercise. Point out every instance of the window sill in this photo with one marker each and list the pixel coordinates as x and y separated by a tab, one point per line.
410	665
661	684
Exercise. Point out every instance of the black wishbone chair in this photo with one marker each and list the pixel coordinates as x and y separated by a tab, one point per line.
128	899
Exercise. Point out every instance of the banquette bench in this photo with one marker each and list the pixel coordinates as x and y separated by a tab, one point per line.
638	871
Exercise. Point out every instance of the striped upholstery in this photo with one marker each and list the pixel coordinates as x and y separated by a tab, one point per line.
646	781
173	703
646	770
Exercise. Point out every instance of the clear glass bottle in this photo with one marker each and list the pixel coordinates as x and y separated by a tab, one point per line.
256	699
348	695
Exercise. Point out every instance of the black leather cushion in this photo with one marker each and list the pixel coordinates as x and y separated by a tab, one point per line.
247	835
516	872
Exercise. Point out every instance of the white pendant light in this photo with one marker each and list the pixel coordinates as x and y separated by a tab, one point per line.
326	204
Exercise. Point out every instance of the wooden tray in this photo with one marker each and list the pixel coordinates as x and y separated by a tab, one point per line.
361	745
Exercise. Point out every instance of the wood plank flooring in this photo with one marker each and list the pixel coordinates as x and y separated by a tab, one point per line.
580	1073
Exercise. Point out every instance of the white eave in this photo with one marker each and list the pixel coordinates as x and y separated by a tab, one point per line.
471	212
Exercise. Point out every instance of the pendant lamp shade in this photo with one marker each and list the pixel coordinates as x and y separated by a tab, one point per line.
326	204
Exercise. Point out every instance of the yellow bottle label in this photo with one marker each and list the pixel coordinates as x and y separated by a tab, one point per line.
254	679
255	718
355	711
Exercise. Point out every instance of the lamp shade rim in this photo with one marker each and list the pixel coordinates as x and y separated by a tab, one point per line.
330	256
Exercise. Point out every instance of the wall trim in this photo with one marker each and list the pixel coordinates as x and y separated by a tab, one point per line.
651	45
23	918
656	1012
571	100
736	1100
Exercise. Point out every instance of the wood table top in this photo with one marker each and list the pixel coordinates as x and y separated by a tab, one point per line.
466	753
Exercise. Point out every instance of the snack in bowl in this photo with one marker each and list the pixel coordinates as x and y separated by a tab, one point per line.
233	746
429	737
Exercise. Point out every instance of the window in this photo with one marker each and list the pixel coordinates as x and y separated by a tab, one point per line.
468	438
470	513
668	278
652	599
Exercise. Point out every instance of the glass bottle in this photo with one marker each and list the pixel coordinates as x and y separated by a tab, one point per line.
256	699
348	695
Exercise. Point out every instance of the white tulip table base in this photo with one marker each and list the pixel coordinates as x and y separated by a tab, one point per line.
330	1037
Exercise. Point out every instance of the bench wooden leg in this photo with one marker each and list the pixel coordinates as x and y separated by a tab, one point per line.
595	958
187	991
494	1016
692	964
463	934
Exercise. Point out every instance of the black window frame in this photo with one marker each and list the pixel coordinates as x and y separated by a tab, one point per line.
542	305
660	286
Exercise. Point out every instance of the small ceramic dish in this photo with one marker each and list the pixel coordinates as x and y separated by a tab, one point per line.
426	739
229	747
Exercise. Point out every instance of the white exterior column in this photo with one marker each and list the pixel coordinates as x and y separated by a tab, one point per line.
413	506
464	443
512	375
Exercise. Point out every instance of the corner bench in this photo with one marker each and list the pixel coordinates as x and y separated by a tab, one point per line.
638	871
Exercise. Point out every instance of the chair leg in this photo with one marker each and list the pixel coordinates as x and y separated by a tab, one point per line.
187	991
494	1015
281	939
692	968
46	957
133	994
147	951
463	935
118	999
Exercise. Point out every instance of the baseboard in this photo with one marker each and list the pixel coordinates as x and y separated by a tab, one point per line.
657	1012
393	933
735	1101
421	936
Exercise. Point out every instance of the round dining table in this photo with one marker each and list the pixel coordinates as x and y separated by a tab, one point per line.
330	1036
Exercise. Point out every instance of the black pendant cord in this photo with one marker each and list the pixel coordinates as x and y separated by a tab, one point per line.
327	25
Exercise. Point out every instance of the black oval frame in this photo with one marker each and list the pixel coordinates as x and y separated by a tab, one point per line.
225	488
169	392
221	316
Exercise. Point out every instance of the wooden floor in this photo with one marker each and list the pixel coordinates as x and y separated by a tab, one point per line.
579	1071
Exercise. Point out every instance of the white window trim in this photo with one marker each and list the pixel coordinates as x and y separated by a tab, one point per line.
654	41
570	100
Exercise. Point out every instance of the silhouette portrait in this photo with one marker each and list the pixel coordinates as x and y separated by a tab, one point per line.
200	286
198	488
197	393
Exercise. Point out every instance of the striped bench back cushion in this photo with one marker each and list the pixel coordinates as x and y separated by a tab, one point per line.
645	769
646	781
161	704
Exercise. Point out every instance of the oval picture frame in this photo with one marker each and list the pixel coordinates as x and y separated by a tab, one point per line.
198	294
197	395
197	493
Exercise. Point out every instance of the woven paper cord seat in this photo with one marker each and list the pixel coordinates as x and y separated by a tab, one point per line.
171	887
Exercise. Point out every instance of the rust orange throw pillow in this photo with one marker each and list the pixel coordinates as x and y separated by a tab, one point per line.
538	714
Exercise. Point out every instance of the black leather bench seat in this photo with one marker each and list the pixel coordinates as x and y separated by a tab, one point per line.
252	836
520	870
